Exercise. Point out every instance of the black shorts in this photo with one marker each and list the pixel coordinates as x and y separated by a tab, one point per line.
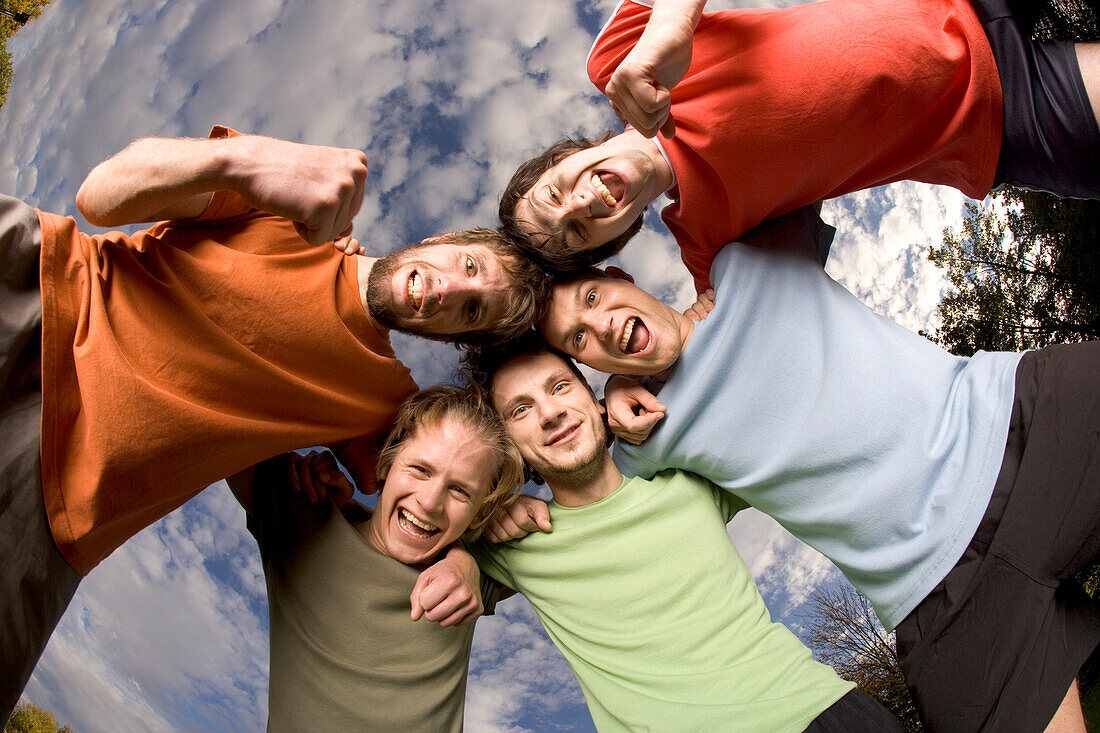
856	712
996	645
36	583
1051	141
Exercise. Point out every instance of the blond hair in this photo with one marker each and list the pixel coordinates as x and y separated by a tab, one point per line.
430	407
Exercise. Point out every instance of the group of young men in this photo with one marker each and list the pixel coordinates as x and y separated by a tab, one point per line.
957	494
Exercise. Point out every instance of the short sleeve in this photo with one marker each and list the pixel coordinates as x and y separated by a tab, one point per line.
278	517
491	559
729	504
802	231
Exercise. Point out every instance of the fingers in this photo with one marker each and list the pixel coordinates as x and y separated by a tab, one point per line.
442	598
641	101
504	527
525	515
316	477
668	129
539	512
348	245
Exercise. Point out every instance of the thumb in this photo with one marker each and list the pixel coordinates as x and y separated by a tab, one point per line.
414	599
668	130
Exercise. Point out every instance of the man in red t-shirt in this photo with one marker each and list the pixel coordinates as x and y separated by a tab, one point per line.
776	109
135	370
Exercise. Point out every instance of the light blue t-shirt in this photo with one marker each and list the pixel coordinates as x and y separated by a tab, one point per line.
864	440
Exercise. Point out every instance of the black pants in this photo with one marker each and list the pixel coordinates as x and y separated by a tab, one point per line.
36	583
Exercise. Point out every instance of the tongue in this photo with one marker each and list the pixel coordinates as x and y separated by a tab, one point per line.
614	184
639	338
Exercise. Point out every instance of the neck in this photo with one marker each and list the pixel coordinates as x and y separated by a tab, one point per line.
364	265
664	177
586	485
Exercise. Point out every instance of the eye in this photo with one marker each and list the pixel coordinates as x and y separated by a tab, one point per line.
579	233
472	311
470	268
519	412
559	387
552	193
461	493
418	470
590	299
578	339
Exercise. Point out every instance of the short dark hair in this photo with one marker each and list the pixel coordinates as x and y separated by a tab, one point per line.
481	364
552	252
526	298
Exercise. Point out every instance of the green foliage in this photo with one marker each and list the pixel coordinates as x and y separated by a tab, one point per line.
31	9
1023	274
29	718
844	633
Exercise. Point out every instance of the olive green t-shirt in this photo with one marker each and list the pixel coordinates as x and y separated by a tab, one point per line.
658	616
345	656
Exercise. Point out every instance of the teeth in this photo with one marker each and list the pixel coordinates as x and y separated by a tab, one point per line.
405	518
416	289
604	193
627	333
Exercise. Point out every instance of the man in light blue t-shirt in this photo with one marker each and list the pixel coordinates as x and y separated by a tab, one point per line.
882	451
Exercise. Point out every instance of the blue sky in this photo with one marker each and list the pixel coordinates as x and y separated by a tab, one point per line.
446	98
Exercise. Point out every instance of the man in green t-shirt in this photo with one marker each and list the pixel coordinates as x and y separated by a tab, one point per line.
638	583
347	587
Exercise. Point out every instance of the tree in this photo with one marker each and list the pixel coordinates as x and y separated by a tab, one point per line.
1023	274
845	633
29	718
16	13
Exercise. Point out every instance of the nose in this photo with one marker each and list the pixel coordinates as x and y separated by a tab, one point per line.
430	497
600	325
456	289
579	203
550	413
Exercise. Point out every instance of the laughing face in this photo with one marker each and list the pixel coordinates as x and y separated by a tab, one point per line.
592	196
553	418
433	491
438	289
614	326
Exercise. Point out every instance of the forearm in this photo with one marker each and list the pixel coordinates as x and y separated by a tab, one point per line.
672	22
675	13
156	178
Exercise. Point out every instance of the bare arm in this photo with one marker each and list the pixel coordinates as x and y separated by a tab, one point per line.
640	90
319	188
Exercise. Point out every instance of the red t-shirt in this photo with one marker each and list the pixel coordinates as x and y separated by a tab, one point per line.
185	353
782	108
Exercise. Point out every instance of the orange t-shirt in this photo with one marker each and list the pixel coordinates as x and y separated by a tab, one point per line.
185	353
782	108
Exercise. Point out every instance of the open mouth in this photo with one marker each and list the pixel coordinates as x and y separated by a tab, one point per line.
610	187
636	336
415	290
414	526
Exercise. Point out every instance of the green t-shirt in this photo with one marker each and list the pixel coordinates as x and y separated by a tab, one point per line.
659	617
345	656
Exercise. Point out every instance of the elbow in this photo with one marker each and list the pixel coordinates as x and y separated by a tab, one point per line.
90	205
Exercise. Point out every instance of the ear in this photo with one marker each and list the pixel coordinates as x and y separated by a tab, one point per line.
381	473
618	274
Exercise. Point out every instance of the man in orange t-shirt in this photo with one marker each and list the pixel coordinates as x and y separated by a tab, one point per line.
774	109
138	369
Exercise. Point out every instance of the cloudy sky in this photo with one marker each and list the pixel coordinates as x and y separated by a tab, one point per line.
446	98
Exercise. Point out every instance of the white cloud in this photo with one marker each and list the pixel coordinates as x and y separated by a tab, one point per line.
446	98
